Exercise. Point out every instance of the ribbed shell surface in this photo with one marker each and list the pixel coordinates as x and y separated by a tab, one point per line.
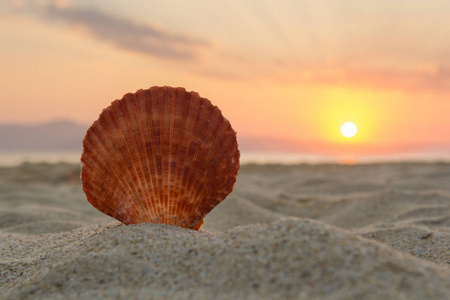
161	155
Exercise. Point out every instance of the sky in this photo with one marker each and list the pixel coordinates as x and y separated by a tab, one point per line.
294	71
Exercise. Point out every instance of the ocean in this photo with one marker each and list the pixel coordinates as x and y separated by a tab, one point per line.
17	158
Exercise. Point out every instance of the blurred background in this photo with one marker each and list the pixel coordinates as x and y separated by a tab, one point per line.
287	74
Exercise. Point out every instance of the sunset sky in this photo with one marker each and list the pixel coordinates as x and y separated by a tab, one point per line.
291	70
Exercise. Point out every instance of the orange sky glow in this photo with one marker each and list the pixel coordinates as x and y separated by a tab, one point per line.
290	70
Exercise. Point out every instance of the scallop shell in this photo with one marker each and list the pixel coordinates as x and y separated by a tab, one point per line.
162	155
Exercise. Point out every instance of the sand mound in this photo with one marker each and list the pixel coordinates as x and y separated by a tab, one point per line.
291	258
228	216
422	242
54	244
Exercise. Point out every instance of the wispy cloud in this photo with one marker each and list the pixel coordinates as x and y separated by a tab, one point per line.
413	80
418	78
125	33
432	77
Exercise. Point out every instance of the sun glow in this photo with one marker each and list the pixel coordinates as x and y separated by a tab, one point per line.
339	105
348	129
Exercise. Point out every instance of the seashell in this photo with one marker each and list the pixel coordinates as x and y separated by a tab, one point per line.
161	155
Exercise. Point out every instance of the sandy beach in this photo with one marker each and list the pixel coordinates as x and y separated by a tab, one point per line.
324	231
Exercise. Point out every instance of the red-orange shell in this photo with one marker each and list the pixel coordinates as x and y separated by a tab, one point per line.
161	155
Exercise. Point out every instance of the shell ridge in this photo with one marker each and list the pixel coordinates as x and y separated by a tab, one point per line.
214	201
174	155
98	166
156	138
168	110
159	153
99	189
195	133
142	106
102	142
206	152
218	173
185	104
128	104
192	99
212	151
128	159
129	151
161	106
108	118
171	178
221	149
146	174
219	128
148	101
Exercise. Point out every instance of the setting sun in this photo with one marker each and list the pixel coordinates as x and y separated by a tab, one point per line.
348	129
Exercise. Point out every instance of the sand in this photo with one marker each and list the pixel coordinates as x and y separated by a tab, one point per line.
286	232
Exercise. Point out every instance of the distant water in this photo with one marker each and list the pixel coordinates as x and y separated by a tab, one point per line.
17	158
296	158
14	159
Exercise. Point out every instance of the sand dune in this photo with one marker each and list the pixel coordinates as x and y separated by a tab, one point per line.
284	259
422	242
379	231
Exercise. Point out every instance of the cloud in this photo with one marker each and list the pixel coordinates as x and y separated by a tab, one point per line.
412	80
415	79
126	34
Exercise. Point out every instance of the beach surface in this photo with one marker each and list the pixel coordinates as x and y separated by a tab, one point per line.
322	231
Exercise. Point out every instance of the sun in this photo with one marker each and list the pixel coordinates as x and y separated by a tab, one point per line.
348	129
